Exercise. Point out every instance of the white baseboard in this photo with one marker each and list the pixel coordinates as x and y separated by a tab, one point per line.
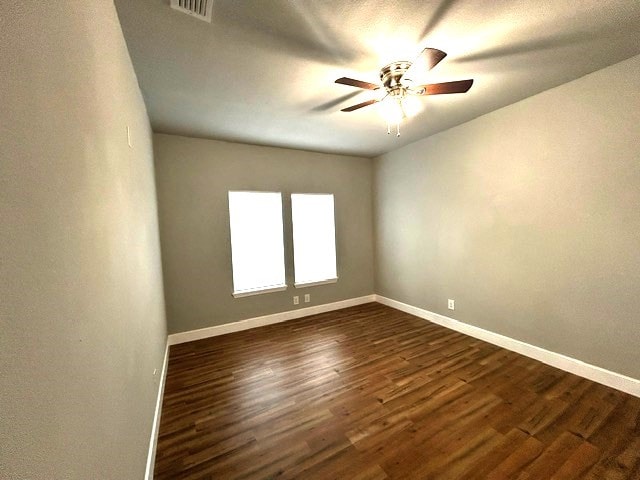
216	330
568	364
155	427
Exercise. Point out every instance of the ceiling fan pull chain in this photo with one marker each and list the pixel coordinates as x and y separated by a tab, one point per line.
398	129
388	128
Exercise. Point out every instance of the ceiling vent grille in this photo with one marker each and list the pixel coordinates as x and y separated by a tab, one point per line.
196	8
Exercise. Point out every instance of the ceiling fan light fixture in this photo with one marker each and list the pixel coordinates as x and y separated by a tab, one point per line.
396	108
411	106
391	109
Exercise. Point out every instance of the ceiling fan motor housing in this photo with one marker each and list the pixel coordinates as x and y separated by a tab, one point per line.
391	76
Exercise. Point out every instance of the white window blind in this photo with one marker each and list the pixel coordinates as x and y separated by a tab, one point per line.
257	249
314	238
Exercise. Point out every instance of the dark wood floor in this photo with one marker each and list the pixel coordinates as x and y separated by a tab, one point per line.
370	392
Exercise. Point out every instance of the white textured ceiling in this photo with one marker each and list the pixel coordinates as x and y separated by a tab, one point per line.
263	71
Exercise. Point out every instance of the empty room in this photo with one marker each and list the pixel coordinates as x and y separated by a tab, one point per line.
334	240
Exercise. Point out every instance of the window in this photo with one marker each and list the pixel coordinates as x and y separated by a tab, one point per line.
257	249
314	239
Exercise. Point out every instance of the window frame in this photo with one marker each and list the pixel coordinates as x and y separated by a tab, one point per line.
266	289
326	281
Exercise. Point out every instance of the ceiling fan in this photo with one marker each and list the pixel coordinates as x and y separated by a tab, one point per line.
398	85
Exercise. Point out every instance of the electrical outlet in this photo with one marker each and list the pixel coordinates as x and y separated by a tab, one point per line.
307	297
452	304
296	299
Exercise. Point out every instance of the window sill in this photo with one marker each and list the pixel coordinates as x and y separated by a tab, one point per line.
314	284
248	293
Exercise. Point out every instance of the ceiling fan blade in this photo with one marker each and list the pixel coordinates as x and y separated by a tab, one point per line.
459	86
430	57
357	83
425	61
359	105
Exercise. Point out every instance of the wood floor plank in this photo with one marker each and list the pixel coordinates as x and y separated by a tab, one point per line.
372	393
578	463
521	456
510	442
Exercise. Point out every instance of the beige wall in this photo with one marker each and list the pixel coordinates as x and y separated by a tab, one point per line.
82	322
193	178
529	217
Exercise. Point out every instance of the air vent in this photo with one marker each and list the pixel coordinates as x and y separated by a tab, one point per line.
196	8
